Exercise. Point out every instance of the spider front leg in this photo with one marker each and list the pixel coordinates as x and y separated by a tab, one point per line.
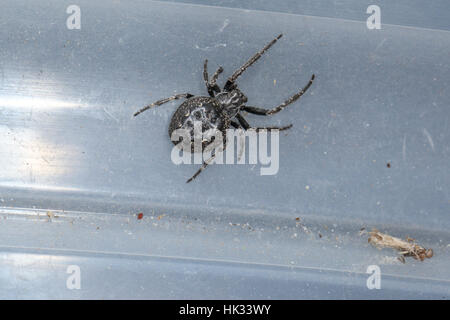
231	80
266	112
246	126
214	79
211	86
162	101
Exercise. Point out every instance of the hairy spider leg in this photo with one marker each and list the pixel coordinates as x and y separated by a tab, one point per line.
203	167
235	124
206	79
162	101
211	86
244	124
214	79
266	112
230	82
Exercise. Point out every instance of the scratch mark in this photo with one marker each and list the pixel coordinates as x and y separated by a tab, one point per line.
380	44
45	159
430	140
109	114
207	48
224	25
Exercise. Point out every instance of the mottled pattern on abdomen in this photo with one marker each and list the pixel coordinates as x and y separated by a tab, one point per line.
207	112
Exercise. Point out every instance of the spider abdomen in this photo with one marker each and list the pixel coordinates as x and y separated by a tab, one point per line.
209	116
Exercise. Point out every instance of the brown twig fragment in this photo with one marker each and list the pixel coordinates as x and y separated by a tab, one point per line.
406	248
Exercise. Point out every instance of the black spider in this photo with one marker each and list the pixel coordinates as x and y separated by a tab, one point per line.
222	106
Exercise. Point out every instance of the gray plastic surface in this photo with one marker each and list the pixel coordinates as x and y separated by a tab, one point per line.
76	167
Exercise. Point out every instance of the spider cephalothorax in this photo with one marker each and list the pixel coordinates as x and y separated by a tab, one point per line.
232	101
221	109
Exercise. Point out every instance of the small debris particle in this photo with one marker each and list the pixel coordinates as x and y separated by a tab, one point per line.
50	215
362	231
406	248
274	82
160	216
388	165
297	219
140	215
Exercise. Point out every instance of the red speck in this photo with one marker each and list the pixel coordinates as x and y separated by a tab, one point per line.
140	215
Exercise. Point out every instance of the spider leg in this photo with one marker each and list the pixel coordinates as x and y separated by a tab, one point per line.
211	86
252	60
203	167
246	125
162	101
235	124
266	112
205	77
213	81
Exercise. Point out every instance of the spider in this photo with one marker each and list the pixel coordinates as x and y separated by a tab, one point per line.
222	108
